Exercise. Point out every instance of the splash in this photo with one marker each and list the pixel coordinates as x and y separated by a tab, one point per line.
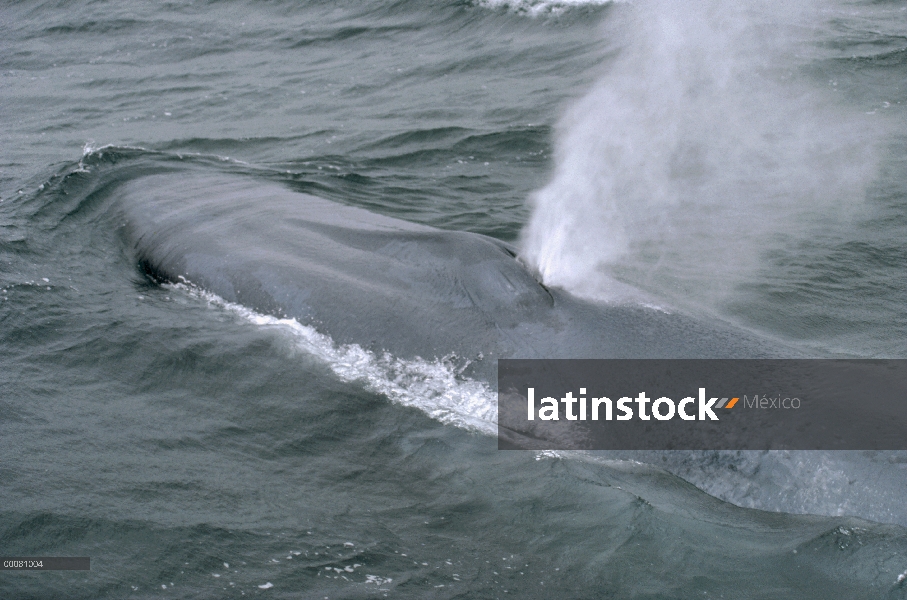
541	7
432	386
702	146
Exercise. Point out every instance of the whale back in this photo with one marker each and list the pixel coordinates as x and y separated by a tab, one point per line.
386	284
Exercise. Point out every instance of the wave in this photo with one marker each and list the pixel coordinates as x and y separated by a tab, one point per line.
542	7
435	387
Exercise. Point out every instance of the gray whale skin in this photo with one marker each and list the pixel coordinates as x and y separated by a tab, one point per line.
387	284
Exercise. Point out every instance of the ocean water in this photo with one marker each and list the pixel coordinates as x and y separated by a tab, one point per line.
743	166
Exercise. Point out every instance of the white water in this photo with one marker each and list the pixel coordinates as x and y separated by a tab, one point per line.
433	386
540	7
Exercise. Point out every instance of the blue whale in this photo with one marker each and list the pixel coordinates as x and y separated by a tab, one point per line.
387	284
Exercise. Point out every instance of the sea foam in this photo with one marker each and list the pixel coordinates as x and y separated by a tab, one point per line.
432	386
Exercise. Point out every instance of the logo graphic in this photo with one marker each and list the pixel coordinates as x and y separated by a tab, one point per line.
663	409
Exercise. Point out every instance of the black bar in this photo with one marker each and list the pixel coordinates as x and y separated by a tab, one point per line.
45	563
827	404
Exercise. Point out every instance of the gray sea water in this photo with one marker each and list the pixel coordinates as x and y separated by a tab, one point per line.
743	165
